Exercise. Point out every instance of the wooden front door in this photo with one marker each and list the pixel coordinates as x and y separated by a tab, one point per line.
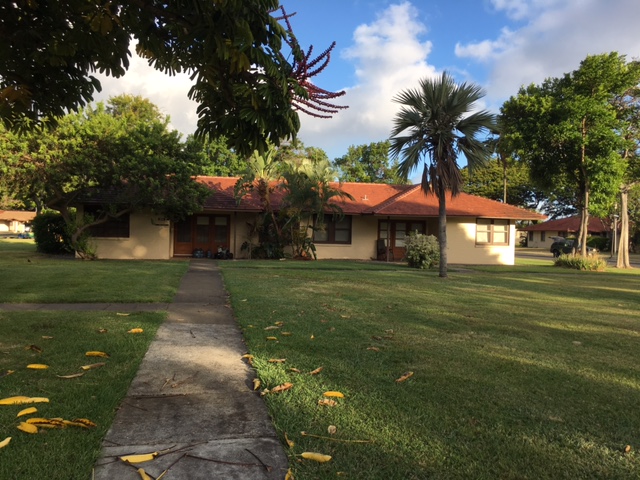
395	231
207	232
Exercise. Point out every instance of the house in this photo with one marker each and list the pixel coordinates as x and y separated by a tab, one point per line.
541	235
479	231
15	221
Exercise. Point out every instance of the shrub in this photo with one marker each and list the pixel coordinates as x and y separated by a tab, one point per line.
423	251
602	244
593	263
50	234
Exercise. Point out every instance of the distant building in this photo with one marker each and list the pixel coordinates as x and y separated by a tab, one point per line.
542	235
14	221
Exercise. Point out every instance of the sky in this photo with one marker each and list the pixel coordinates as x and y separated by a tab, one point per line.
386	46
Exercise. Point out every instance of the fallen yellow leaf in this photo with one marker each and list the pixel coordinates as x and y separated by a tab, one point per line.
286	334
102	330
21	400
97	354
27	411
316	371
272	327
333	394
256	383
46	337
85	421
143	474
37	366
5	442
294	370
135	330
123	314
289	442
327	402
27	427
272	338
6	372
373	349
139	458
277	360
332	429
316	457
289	475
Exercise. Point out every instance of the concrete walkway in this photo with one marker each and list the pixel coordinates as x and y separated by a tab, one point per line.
192	395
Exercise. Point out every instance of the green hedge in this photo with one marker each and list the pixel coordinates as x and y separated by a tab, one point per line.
50	234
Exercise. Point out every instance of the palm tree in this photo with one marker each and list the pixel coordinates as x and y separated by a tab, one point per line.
434	126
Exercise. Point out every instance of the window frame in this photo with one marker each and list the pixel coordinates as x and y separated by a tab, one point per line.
331	228
491	231
119	227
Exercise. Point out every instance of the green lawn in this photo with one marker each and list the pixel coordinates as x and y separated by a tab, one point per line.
28	277
64	338
524	372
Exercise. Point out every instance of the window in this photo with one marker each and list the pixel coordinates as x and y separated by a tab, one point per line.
112	228
543	236
334	231
492	232
531	236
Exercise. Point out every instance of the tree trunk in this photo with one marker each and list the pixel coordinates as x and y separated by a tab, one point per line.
584	211
623	247
504	178
442	231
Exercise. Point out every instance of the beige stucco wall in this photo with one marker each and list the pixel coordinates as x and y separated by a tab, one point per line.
364	232
462	248
537	243
149	239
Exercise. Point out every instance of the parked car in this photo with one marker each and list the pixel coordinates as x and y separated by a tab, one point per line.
563	245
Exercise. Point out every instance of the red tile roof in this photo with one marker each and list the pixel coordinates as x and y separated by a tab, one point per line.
570	224
376	199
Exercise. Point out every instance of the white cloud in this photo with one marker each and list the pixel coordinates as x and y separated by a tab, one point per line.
169	93
389	57
557	36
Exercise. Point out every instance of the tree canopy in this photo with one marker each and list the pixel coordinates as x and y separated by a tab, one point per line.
250	75
107	156
369	164
567	131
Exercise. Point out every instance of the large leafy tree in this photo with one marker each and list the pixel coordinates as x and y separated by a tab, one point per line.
436	124
121	157
568	132
488	181
369	164
216	158
250	75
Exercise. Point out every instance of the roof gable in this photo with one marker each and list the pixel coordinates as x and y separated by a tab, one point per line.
570	224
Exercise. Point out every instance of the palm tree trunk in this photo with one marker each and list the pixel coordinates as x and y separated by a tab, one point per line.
442	231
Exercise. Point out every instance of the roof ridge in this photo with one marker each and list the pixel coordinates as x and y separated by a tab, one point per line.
392	200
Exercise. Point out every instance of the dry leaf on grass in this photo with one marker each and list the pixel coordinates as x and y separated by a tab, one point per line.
135	330
22	400
35	348
294	370
5	442
286	334
26	411
316	457
277	360
272	327
73	375
327	402
404	377
6	373
27	427
92	366
95	353
282	388
316	371
256	383
37	366
271	339
333	394
332	429
373	349
289	442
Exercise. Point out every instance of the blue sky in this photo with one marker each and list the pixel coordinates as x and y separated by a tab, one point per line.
386	46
